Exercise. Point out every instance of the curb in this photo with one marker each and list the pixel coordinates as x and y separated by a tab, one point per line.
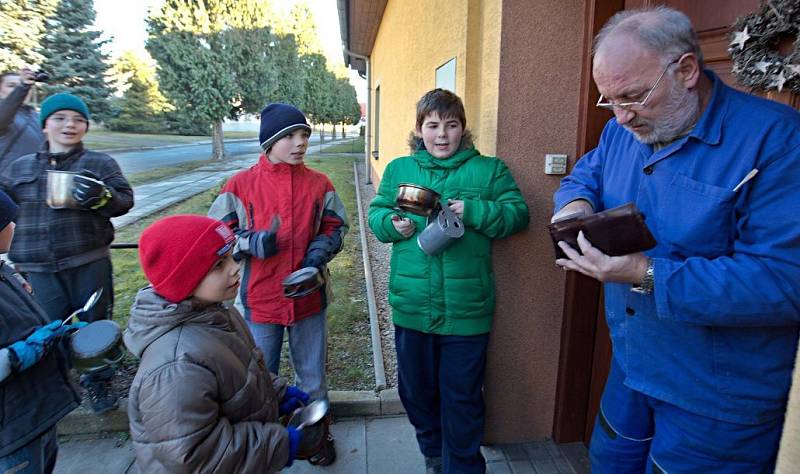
344	404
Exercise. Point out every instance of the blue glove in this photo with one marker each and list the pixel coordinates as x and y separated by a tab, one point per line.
294	442
293	399
24	354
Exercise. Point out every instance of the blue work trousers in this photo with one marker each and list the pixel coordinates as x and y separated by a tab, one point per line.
440	380
636	433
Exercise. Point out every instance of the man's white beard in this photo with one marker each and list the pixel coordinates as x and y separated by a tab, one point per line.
679	114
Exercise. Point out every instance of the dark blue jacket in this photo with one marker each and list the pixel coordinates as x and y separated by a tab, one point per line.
31	402
20	131
718	335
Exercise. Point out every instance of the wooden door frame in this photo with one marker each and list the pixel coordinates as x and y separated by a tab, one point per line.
582	294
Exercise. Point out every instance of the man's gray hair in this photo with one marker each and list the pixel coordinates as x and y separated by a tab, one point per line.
664	30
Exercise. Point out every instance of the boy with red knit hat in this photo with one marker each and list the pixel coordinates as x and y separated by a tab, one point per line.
202	399
287	217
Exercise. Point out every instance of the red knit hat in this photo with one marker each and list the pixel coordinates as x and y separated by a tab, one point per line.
177	252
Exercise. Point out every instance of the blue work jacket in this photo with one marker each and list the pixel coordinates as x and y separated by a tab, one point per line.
718	335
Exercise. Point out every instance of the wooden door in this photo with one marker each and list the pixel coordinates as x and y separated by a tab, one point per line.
585	346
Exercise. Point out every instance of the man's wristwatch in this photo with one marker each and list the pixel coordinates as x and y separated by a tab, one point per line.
647	282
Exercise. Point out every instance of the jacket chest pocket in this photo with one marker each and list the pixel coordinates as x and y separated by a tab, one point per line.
26	187
699	218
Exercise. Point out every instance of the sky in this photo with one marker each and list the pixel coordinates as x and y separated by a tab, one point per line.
123	23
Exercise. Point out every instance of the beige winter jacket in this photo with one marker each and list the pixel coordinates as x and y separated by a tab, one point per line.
202	400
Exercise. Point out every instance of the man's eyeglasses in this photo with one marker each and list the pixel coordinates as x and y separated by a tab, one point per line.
637	105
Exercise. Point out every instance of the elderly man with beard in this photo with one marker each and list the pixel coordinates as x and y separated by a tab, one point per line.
704	326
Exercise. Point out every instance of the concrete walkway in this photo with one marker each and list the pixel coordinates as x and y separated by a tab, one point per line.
364	445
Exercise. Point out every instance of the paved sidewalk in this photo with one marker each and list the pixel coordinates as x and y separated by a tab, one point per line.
153	197
364	445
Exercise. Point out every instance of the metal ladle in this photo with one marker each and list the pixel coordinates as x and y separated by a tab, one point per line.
93	298
312	413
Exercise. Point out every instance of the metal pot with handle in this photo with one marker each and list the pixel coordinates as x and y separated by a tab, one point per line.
417	199
60	185
442	230
96	346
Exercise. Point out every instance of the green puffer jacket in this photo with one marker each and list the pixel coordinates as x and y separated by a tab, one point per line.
451	293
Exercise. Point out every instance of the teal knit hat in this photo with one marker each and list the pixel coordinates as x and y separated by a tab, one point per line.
62	101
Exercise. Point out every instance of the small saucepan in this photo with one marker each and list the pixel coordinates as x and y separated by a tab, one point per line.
302	282
96	346
59	190
417	199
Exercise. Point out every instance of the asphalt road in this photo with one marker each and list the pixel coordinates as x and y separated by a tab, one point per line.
143	160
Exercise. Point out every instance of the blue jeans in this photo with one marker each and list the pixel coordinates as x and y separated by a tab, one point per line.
308	350
35	457
440	381
636	433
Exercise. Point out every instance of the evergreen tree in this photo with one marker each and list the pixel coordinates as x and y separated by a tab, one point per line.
142	107
73	58
23	25
318	90
348	110
290	84
300	24
214	59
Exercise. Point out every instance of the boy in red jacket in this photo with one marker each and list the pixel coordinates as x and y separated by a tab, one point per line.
286	217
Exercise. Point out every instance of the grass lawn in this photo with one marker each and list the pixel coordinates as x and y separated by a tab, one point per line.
103	139
349	347
354	146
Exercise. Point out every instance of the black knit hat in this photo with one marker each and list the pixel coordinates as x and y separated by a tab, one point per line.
8	210
279	120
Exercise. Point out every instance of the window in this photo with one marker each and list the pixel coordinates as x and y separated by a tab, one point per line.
446	76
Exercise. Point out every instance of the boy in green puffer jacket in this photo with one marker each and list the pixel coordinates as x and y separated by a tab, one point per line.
442	305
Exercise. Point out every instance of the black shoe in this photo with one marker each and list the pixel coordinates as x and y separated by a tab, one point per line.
102	396
327	455
433	465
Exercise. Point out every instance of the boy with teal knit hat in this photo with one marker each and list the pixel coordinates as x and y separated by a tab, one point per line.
65	248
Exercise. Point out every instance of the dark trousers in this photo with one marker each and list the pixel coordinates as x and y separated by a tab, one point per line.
36	457
440	380
63	292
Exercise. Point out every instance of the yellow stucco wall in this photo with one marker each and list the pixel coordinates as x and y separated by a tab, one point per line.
415	38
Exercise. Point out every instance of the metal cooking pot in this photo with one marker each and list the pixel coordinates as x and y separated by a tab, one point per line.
417	200
441	231
96	346
311	420
59	190
302	282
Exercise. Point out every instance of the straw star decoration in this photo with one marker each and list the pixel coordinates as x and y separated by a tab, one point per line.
740	38
762	66
778	80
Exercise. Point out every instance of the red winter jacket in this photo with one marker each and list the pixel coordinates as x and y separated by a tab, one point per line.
310	212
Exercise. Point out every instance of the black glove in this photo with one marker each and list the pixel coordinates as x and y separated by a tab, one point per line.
90	191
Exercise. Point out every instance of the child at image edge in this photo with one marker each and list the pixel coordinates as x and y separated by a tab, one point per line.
442	305
286	216
202	399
